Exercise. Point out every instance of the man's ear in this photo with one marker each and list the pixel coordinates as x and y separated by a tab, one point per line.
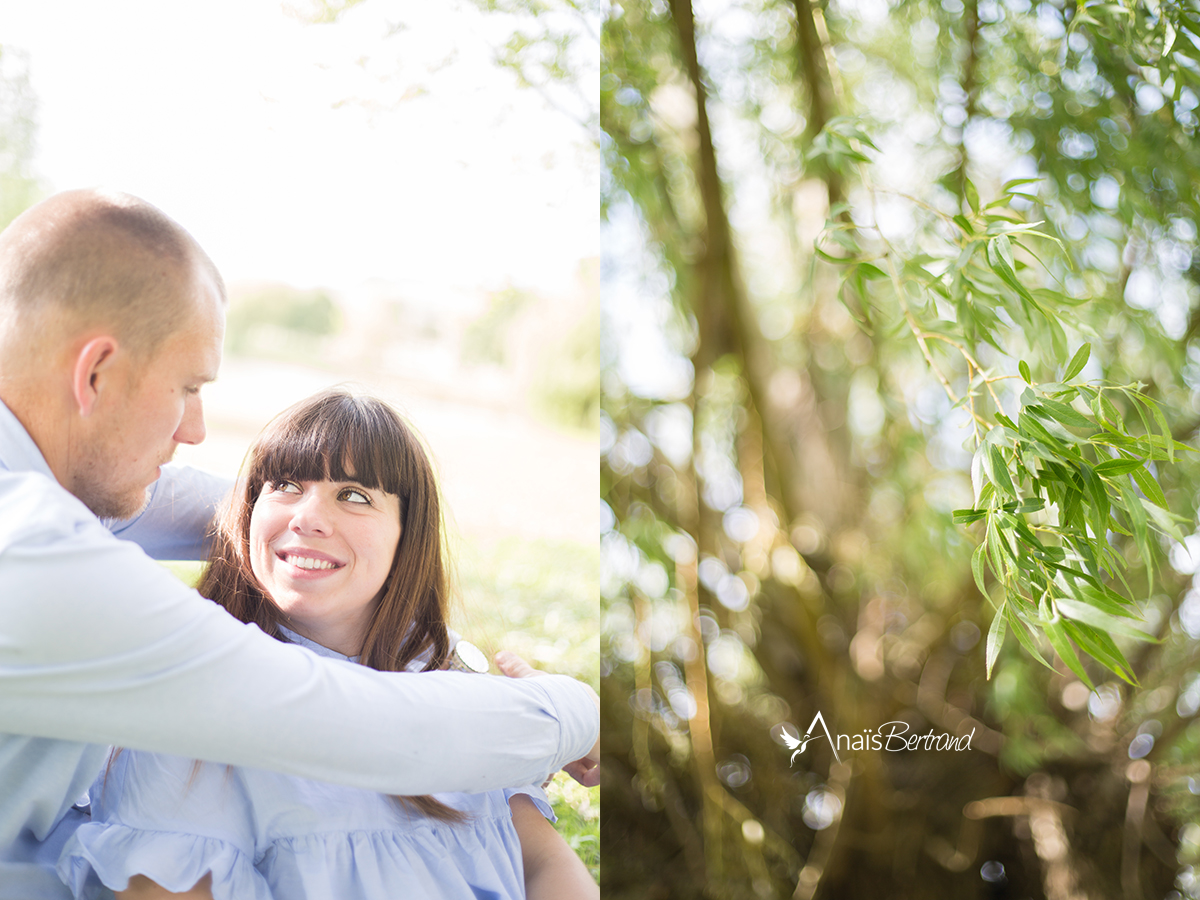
93	363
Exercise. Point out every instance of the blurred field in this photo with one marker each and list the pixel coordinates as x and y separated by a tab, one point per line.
502	471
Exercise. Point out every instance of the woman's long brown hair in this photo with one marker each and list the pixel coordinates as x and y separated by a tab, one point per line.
338	436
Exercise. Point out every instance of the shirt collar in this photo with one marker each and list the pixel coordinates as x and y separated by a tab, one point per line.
18	452
415	665
313	645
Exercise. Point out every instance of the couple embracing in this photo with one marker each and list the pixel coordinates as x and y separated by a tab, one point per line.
291	733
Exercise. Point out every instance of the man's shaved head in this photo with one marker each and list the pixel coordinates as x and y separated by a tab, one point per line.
111	320
95	260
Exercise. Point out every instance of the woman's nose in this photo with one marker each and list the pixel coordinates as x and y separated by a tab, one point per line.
311	516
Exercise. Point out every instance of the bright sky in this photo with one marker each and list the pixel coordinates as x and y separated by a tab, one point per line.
315	155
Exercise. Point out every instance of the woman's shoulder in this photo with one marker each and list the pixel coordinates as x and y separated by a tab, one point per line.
248	807
131	777
157	794
494	804
286	806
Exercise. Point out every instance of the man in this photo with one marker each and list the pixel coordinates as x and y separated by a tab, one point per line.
111	320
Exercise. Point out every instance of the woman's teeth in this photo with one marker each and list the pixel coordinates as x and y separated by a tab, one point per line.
305	562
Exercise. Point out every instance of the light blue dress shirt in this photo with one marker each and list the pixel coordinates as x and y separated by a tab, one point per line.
264	836
101	645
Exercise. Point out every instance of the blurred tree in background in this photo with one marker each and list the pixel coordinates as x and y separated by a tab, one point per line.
280	320
552	343
566	377
486	337
867	265
19	187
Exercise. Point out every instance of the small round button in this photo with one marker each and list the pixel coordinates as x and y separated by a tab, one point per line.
468	658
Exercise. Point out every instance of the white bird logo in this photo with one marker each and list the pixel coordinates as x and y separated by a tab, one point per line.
798	744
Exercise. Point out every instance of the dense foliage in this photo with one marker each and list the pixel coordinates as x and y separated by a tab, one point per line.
901	362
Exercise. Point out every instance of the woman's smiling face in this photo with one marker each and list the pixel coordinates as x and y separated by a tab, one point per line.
322	551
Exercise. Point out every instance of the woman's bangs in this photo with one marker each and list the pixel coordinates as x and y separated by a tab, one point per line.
340	441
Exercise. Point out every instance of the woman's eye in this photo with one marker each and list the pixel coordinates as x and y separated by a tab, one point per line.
355	496
287	487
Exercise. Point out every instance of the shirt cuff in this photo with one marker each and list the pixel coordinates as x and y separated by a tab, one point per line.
578	718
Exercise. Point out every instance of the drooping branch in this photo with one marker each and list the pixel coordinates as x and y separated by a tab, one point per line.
970	88
816	76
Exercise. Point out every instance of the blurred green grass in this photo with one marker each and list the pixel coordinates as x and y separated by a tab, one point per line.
539	599
578	811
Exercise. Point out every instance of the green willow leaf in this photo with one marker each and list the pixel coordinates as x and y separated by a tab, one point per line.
1023	368
1156	447
1139	522
966	254
1023	637
999	253
1105	598
993	548
1060	391
998	470
978	567
1161	421
972	195
1113	467
1150	488
1057	635
977	484
1108	410
1099	496
1078	361
1045	428
1101	648
1033	504
1164	520
995	639
1090	615
1065	414
1009	187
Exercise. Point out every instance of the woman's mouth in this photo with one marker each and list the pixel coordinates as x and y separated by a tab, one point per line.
308	561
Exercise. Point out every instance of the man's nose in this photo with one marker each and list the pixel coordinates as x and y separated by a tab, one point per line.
191	429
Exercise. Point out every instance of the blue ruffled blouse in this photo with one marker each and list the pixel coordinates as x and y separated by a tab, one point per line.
264	836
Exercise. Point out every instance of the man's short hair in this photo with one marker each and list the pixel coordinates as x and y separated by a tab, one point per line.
100	259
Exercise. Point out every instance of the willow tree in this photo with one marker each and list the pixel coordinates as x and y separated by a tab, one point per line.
916	448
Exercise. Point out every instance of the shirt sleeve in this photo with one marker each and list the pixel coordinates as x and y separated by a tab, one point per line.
538	795
180	507
170	819
100	644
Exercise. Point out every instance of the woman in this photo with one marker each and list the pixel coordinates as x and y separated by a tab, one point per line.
335	544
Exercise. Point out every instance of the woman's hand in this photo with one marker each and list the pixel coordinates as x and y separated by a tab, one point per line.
586	770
